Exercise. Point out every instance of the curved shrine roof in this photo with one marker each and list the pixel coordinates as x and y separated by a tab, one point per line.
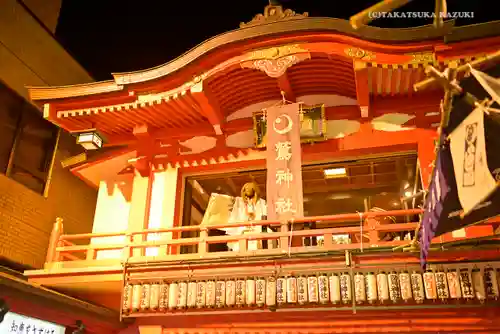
279	51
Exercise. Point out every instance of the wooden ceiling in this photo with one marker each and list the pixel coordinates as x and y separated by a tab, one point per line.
361	174
379	179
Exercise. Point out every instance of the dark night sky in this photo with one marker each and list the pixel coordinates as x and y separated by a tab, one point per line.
108	36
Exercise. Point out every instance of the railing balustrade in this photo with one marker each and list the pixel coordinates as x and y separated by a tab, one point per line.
62	247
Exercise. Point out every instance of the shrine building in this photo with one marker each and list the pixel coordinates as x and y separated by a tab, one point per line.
271	180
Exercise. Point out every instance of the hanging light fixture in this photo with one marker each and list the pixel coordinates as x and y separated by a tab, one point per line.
89	139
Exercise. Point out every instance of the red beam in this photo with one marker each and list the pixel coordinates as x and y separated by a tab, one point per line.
362	89
285	86
207	105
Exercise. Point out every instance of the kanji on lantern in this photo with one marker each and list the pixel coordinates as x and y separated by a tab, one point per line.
283	150
284	177
284	205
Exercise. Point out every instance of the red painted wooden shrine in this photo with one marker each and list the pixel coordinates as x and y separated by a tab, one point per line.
180	131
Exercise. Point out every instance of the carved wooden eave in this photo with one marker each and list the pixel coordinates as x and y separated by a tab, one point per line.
275	61
273	13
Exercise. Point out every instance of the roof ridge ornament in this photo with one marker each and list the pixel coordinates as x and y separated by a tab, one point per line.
273	13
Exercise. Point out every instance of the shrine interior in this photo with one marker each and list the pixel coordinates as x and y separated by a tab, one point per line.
360	185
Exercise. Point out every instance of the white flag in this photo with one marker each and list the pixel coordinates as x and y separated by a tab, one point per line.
490	84
468	150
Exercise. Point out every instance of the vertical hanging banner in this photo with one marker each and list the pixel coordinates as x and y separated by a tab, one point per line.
284	163
468	150
438	192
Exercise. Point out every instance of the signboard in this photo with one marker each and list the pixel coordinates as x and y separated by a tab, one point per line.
284	163
312	124
14	323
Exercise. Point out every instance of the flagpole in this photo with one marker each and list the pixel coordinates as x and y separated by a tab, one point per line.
494	57
366	16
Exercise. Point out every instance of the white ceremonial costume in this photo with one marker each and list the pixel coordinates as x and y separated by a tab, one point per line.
241	213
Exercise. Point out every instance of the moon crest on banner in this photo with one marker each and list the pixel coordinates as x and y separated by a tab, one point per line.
285	129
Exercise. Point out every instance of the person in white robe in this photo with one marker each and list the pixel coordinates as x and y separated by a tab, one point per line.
249	207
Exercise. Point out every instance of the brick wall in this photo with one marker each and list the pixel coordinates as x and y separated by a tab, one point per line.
26	218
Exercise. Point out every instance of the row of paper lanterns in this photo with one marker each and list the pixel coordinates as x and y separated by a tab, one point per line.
325	288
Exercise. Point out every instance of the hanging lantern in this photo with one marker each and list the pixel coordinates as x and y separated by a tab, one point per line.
136	297
417	287
191	297
430	285
145	296
394	288
210	294
334	287
281	288
250	291
201	293
359	288
345	288
405	284
271	292
371	287
163	303
89	139
478	284
220	293
382	287
291	290
240	292
173	295
154	296
454	284
312	289
323	289
127	298
230	293
491	283
442	285
302	290
183	292
260	291
466	284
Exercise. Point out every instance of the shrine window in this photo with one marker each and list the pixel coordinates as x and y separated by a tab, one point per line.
367	184
27	141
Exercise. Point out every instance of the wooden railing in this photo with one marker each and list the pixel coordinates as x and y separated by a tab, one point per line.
63	247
